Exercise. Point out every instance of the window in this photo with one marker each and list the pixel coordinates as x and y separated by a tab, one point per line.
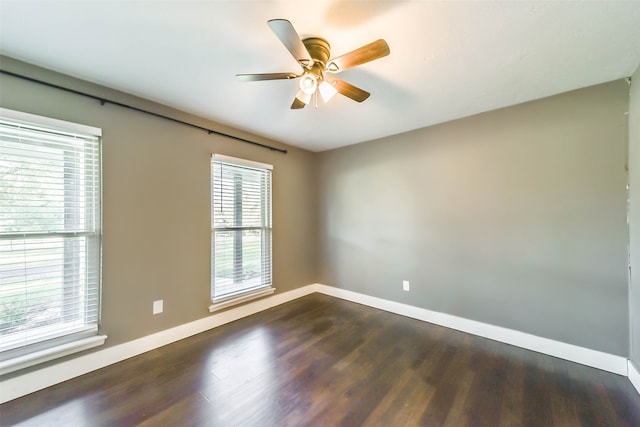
240	230
49	238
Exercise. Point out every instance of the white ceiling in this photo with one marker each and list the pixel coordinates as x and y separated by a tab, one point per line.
448	59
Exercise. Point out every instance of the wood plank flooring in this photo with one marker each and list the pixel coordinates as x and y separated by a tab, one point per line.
321	361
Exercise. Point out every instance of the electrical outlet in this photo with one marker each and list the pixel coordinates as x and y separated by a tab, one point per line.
405	285
158	306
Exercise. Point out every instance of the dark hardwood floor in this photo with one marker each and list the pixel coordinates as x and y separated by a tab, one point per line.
321	361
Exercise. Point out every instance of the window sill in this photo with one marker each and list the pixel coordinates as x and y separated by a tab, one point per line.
31	359
225	303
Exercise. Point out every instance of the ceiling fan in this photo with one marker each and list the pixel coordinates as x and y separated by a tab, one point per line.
313	55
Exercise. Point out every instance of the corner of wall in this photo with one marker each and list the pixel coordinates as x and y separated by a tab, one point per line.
634	220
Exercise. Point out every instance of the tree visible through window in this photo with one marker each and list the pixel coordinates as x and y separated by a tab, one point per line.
241	227
49	235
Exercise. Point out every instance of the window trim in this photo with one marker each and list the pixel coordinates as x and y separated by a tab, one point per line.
226	301
51	353
222	303
49	122
240	162
85	338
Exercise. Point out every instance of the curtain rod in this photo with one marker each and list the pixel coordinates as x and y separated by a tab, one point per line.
120	104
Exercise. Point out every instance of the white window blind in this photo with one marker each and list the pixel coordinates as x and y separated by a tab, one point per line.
49	233
240	227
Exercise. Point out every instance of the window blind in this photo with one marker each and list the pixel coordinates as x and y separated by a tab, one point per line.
241	227
49	235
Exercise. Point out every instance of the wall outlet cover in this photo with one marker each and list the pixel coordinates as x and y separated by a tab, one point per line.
158	306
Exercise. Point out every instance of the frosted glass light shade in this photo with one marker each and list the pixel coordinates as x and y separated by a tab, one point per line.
308	83
327	91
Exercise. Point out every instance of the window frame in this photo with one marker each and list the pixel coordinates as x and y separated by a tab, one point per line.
224	301
64	340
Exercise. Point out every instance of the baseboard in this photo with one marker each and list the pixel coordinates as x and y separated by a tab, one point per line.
634	376
36	380
39	379
596	359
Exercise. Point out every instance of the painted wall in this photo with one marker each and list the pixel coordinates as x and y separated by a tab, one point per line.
634	217
515	217
156	191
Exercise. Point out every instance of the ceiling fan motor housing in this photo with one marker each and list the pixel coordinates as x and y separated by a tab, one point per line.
319	49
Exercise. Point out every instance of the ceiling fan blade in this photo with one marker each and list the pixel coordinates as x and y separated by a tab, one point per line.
297	104
301	100
291	40
265	76
362	55
349	90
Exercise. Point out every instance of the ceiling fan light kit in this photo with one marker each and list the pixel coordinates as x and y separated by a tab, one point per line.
308	83
327	91
313	54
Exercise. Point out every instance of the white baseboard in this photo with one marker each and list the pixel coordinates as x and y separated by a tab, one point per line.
634	376
597	359
36	380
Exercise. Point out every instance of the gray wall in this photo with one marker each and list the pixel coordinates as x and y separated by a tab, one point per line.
634	216
156	181
515	217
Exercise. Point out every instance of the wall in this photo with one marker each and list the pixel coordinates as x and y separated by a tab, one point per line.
634	216
156	191
515	217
